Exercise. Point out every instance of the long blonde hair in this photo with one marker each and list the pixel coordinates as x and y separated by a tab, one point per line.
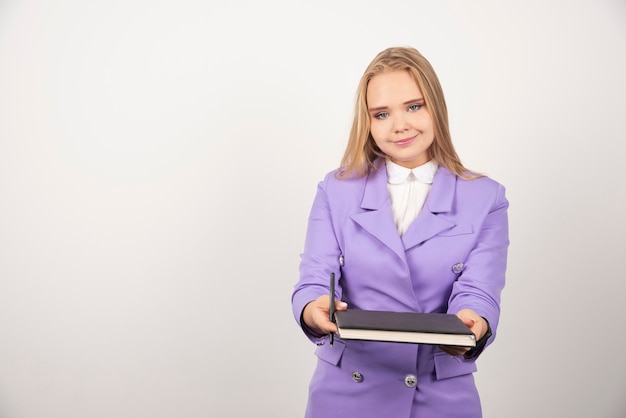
362	151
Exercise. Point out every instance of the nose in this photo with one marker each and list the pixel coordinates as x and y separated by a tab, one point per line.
400	124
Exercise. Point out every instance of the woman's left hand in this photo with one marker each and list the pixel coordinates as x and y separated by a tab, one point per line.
475	323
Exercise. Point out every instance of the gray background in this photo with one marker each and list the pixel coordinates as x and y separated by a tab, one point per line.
158	160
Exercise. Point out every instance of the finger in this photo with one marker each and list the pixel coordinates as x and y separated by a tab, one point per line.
341	305
324	323
468	321
454	350
445	350
328	327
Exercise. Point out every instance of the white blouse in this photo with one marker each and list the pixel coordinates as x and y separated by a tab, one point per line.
408	189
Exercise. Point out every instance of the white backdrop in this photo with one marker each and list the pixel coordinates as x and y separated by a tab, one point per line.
158	160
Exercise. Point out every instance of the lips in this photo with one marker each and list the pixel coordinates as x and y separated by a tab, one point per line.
405	141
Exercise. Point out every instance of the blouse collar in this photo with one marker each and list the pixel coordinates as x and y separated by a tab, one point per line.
397	174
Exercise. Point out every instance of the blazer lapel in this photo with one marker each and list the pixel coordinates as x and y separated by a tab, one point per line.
439	200
377	216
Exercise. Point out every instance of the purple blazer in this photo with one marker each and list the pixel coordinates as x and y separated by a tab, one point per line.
453	256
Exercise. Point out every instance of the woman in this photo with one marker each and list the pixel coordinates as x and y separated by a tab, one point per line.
405	227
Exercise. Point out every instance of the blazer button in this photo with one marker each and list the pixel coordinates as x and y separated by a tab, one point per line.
458	267
410	380
357	377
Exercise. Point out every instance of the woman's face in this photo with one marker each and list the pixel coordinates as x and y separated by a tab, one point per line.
400	124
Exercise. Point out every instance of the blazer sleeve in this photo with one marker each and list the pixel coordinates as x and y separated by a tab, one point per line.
319	259
480	285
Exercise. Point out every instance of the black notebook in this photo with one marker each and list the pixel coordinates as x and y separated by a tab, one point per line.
405	327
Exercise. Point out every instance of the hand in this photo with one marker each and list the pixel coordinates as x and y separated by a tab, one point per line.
316	315
475	323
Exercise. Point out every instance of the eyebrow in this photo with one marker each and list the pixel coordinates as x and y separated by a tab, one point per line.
376	109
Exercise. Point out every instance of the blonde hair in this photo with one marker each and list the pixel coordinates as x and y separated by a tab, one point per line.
362	151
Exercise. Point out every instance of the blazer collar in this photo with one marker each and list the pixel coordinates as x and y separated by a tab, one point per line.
429	222
377	217
441	195
375	195
439	199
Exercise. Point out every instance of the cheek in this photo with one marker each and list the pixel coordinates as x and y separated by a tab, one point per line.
378	141
376	134
428	123
422	121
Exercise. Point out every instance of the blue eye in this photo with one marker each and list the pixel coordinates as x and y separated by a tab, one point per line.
415	107
381	115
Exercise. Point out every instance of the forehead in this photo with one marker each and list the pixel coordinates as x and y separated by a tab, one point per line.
392	86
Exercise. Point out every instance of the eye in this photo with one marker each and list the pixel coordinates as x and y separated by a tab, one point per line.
381	115
415	107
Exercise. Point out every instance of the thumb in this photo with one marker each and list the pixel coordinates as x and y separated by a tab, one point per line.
469	322
341	305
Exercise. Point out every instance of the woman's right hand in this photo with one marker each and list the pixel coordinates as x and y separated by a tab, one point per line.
316	315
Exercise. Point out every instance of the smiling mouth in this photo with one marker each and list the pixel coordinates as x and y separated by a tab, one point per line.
405	141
